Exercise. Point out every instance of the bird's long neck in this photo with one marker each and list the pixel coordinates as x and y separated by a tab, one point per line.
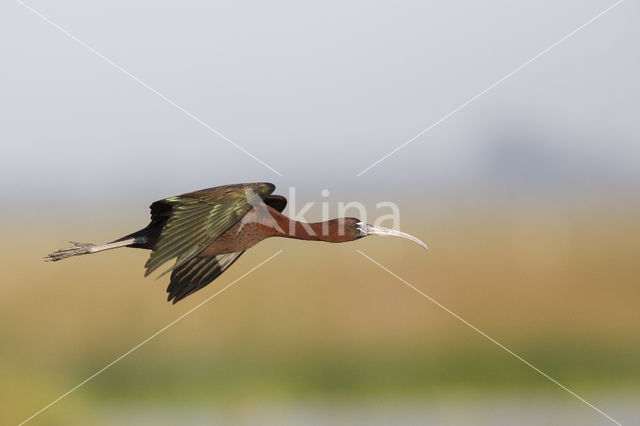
333	230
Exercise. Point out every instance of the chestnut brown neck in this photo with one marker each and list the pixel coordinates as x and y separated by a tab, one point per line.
334	231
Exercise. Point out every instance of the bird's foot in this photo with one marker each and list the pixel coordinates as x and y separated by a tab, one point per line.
77	249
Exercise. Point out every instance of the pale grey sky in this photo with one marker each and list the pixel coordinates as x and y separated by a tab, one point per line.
319	91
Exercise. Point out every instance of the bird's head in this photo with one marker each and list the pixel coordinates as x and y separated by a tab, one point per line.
360	229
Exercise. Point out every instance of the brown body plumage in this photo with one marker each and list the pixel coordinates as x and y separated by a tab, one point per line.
206	231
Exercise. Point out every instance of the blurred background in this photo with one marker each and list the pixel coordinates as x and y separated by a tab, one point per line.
528	199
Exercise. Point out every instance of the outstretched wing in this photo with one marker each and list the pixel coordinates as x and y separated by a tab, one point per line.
197	273
197	218
200	271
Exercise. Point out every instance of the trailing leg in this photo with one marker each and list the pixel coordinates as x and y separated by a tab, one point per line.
88	248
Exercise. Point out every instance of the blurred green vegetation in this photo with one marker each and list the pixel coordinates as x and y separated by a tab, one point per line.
348	374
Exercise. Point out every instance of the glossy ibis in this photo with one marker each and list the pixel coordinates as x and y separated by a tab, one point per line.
207	230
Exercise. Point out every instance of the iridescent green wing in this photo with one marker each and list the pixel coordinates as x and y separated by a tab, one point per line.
197	273
196	219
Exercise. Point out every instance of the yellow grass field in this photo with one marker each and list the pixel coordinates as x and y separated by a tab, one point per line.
321	322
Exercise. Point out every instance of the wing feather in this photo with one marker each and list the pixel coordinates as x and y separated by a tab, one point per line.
196	219
197	273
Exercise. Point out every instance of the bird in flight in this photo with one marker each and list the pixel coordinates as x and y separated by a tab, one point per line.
206	231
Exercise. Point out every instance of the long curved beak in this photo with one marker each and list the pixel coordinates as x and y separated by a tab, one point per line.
378	230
